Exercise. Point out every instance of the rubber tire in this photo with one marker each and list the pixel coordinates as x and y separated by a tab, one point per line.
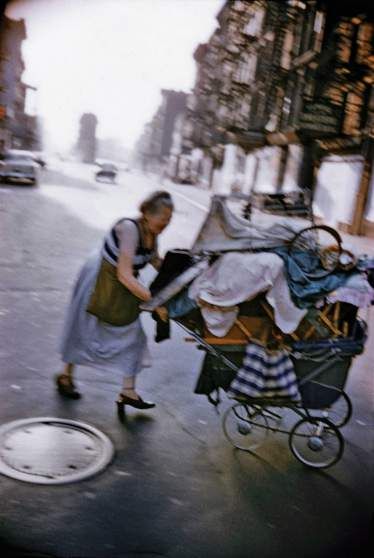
331	426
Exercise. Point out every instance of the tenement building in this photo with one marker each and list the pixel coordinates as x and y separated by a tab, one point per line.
283	101
18	128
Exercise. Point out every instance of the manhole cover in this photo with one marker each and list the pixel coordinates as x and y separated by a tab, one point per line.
52	451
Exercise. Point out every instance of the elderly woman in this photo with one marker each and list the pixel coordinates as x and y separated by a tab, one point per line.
102	327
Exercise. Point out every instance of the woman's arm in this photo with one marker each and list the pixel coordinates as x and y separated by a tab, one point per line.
156	262
128	238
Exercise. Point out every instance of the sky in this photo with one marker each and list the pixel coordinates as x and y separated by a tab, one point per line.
110	57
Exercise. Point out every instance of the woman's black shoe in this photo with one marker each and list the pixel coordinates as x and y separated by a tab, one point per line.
66	387
137	403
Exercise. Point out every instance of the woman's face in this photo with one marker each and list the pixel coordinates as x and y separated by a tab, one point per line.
156	222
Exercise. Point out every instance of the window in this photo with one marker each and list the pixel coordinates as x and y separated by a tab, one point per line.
245	72
353	113
308	25
242	113
222	112
231	29
297	100
310	82
254	25
344	45
287	50
226	69
318	22
364	47
273	122
286	105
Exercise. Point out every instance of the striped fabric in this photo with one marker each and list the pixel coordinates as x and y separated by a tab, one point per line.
265	374
110	250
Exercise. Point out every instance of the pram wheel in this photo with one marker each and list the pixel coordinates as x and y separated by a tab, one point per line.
340	412
316	442
316	250
245	426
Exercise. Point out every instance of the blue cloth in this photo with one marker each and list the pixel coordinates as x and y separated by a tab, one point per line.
180	305
304	291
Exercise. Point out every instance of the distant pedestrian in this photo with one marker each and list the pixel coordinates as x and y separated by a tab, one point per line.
102	327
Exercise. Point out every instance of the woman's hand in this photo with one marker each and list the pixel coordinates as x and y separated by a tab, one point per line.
162	312
147	295
156	262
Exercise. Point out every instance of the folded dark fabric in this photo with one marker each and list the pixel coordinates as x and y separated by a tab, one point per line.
215	375
175	262
162	328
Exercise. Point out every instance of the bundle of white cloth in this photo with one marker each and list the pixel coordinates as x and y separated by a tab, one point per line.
238	276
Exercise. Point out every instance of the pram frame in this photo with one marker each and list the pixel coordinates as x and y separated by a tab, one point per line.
321	426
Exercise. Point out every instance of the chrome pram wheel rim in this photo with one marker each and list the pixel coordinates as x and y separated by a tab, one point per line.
245	426
316	443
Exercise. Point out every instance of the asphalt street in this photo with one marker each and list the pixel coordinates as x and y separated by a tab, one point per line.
175	488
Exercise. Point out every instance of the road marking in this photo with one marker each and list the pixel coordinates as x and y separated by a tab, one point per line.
123	473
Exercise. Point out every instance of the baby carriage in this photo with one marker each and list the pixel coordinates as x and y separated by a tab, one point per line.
319	351
321	370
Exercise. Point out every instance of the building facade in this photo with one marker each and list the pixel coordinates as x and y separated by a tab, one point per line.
87	144
154	146
18	128
283	100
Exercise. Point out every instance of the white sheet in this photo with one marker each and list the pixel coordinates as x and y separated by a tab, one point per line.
239	276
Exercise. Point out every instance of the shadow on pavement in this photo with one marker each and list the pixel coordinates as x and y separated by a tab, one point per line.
9	551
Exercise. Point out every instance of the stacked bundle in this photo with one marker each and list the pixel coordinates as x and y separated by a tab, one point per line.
269	286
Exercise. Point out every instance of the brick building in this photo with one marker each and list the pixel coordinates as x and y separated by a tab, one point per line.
283	100
18	129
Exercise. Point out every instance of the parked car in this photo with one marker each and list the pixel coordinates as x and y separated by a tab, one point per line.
39	158
106	173
18	166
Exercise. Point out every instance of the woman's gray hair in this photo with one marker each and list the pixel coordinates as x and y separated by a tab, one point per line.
156	202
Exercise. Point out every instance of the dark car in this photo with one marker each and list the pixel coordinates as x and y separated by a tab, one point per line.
106	173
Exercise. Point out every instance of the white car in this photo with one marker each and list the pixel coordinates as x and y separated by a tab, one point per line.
18	166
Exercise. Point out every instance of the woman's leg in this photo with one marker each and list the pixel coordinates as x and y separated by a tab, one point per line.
69	371
128	396
65	383
129	387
